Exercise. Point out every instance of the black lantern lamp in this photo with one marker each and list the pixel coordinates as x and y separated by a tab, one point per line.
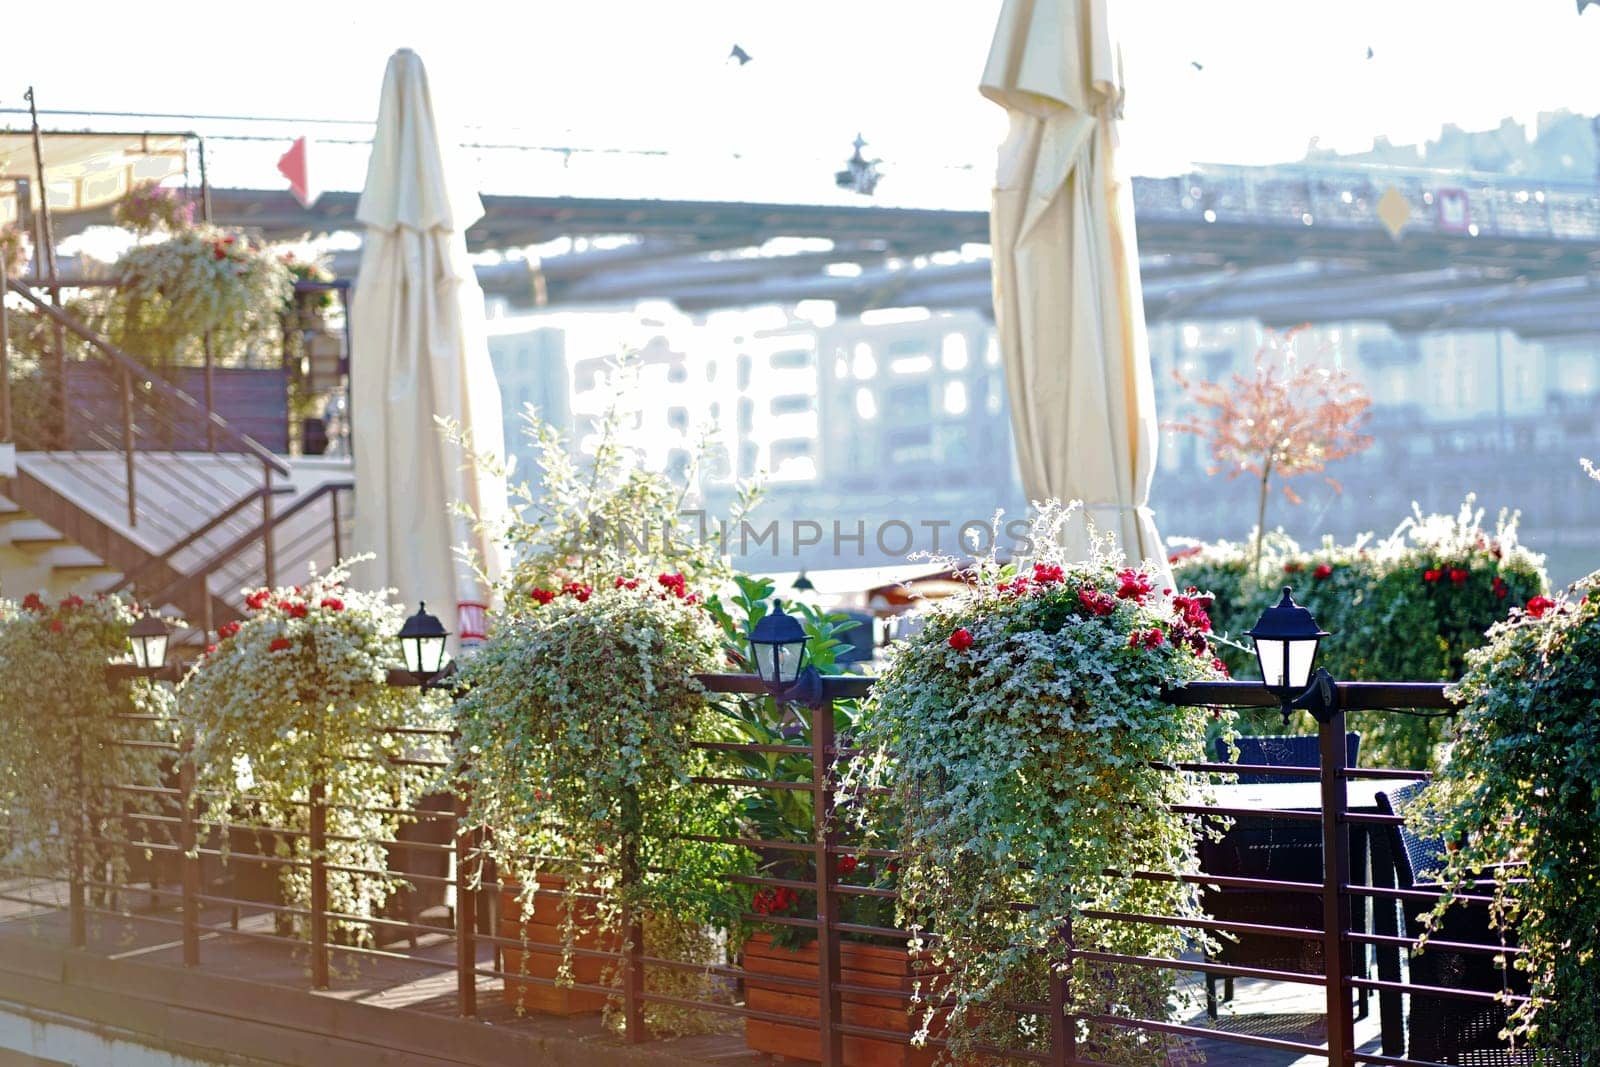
149	640
1286	638
778	647
422	641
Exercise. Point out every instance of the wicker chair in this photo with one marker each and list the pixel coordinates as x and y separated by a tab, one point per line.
1447	1029
1268	848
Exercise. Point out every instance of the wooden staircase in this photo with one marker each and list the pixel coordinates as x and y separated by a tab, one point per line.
100	503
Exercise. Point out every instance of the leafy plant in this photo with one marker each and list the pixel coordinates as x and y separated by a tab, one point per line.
1289	419
1021	734
171	293
150	208
1521	792
64	723
296	699
1407	608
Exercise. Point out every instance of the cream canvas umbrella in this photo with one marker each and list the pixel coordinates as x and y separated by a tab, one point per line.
419	350
1067	301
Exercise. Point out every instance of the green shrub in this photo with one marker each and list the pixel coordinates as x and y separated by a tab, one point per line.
1405	609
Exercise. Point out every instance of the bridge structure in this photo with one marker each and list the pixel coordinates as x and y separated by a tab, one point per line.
1283	244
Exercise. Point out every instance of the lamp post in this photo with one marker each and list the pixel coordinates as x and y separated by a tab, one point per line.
1286	638
422	644
778	648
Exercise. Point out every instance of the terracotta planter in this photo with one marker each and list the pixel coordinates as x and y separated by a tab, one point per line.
543	927
860	965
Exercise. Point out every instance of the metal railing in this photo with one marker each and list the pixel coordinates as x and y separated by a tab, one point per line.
1358	915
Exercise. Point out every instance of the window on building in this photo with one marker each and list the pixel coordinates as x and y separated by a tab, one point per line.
793	404
909	402
677	373
953	352
678	418
747	409
793	359
866	404
744	372
913	444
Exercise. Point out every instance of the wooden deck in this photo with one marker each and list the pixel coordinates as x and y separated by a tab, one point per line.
250	1002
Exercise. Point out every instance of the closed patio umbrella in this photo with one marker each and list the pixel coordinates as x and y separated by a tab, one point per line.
1068	305
419	350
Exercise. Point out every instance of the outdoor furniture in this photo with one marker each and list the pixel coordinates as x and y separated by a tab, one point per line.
1440	1028
1275	849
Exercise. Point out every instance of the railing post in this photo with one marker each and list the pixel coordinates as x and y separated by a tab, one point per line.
269	555
1063	1031
5	358
319	884
127	445
189	857
466	915
825	836
78	927
338	538
1338	964
633	1025
210	405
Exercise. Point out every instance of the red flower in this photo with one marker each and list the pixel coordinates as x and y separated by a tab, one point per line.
72	602
543	596
1293	567
55	626
33	602
1432	575
1135	586
227	630
674	583
1047	574
1153	638
1459	576
279	644
773	899
257	600
332	603
1191	610
848	864
1218	665
1185	553
1538	606
210	649
1097	602
1499	585
1323	571
296	609
1017	586
961	640
578	591
627	583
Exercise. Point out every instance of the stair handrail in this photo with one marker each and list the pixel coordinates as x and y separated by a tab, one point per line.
129	365
259	532
131	578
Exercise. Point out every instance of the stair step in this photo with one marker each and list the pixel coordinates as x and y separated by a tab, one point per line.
74	558
33	534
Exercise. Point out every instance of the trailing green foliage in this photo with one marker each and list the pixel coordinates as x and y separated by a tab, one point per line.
63	721
1020	733
295	699
1408	608
1522	787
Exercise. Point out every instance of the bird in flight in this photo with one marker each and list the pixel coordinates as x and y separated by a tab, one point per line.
740	54
1196	64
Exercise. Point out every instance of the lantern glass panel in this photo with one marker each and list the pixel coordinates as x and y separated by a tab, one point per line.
1301	656
412	648
154	649
1272	656
431	653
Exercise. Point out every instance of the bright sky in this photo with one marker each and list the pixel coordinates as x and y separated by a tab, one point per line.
646	75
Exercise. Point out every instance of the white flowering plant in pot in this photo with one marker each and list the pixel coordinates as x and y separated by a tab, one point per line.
64	723
1023	738
294	703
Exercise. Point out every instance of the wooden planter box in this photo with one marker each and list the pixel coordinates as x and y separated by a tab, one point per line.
544	928
860	965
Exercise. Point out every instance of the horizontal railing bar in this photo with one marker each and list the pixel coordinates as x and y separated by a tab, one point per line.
752	842
784	920
1416	989
550	948
131	916
1443	946
739	746
873	931
834	686
548	983
251	905
752	783
1227	970
1294	932
1206	1033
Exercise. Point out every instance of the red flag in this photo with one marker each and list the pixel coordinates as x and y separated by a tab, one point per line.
292	165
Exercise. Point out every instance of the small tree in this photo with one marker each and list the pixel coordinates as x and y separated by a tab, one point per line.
1289	418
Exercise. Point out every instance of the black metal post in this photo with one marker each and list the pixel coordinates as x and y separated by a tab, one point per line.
466	915
1063	1029
77	849
190	857
824	833
633	1024
1337	960
318	841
